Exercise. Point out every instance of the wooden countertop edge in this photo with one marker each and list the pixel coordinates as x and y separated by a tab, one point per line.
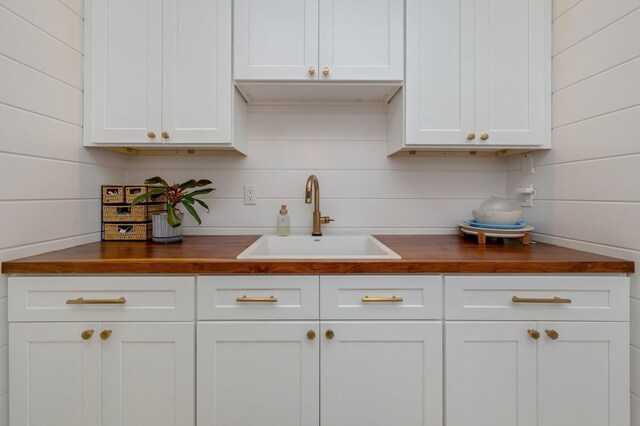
224	266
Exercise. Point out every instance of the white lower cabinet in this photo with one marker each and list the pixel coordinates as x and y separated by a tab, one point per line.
295	350
537	373
110	374
55	376
381	373
258	373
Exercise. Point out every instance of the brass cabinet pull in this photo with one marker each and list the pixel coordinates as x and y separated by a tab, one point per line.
555	300
325	71
312	70
105	334
311	335
382	299
165	135
471	136
151	135
257	299
553	335
83	301
534	334
86	335
330	334
484	136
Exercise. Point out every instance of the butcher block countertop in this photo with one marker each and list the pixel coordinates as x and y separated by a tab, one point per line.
421	254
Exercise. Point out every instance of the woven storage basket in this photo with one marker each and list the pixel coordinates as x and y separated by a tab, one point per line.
112	194
127	231
133	191
124	213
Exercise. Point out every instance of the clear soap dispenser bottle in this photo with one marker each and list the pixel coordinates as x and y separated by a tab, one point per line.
284	223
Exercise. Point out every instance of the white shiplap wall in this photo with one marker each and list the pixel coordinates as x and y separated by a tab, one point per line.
361	188
49	198
589	184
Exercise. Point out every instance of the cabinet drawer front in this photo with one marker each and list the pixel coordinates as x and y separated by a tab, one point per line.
100	298
585	298
258	297
381	297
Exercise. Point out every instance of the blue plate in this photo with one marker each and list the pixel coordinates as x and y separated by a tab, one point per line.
518	225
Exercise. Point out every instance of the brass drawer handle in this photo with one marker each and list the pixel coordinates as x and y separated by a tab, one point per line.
311	335
330	334
105	334
555	300
383	299
244	298
83	301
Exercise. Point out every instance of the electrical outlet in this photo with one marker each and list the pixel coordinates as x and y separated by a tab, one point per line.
527	194
527	164
250	195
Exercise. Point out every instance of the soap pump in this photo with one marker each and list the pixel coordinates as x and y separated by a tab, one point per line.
284	222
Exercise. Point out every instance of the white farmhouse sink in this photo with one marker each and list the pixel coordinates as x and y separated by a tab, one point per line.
326	247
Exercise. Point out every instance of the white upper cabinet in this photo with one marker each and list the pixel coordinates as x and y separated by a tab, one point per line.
276	39
123	82
478	76
309	40
361	39
513	72
158	73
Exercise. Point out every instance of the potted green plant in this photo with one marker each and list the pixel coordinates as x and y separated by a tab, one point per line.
167	226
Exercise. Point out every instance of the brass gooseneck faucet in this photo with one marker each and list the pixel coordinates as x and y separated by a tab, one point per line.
314	187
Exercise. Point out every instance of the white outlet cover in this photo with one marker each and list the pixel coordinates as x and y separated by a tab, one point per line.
250	194
527	164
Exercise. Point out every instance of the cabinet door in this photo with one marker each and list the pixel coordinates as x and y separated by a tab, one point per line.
440	80
513	71
583	375
258	373
381	374
275	39
197	81
149	374
490	374
123	40
362	39
54	375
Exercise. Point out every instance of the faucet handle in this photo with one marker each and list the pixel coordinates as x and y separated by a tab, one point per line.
326	219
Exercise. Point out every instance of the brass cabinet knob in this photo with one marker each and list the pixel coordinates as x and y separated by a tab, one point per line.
325	71
312	70
553	335
86	335
329	334
105	334
471	136
311	335
151	135
484	136
534	334
165	135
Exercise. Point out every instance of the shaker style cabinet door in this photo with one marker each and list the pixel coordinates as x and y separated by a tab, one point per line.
583	375
197	82
513	72
361	40
55	374
258	373
123	75
275	39
491	374
381	373
148	374
440	82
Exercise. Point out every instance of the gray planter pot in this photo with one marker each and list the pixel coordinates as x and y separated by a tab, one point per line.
163	232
